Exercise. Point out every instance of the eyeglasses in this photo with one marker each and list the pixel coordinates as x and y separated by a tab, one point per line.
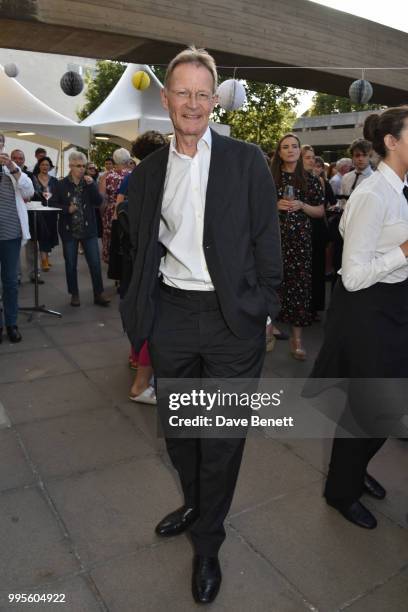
200	96
78	165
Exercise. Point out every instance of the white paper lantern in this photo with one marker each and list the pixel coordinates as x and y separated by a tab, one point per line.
11	70
360	91
231	95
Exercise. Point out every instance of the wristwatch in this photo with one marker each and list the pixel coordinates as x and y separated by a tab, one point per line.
15	171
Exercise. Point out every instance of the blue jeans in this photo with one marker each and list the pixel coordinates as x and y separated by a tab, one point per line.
9	258
91	251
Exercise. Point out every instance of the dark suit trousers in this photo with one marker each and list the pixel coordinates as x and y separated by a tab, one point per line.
348	463
190	339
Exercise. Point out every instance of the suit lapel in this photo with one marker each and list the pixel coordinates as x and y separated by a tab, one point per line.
157	177
215	196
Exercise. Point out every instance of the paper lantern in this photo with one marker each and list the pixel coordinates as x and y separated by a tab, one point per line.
71	83
360	91
231	95
11	70
140	80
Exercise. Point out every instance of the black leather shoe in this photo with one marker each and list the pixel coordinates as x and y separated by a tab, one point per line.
373	487
206	578
13	333
176	522
356	513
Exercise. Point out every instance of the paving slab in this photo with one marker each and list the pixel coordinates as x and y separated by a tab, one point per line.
268	470
329	559
159	578
115	510
42	398
390	467
389	597
73	594
33	339
81	332
33	550
80	442
99	354
114	381
30	365
14	470
314	452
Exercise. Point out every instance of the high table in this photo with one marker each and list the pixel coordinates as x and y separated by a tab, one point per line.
37	208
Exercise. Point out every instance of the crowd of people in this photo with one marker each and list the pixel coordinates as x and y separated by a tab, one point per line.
311	198
206	240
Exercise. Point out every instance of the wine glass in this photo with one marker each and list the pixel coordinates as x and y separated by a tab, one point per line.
289	193
47	194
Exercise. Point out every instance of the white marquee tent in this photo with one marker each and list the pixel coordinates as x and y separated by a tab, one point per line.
128	112
22	115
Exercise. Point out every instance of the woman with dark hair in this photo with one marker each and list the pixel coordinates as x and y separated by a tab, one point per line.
300	198
366	334
45	187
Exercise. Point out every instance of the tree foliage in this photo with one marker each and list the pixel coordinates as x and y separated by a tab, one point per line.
98	87
327	104
268	113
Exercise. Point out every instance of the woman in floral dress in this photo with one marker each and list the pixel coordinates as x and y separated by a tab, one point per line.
109	188
300	198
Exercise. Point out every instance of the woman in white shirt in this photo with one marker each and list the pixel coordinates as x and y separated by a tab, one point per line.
366	333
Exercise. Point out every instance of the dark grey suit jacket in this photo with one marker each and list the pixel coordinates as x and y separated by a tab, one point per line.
241	239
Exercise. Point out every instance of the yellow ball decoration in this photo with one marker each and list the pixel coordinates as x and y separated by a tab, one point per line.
141	80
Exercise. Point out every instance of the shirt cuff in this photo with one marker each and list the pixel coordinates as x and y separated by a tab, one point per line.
394	259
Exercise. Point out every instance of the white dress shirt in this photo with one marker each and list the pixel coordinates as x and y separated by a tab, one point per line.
182	218
373	225
335	183
348	179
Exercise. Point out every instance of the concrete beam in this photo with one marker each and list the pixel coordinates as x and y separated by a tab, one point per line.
257	33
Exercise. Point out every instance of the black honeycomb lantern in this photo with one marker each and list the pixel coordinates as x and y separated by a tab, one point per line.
71	83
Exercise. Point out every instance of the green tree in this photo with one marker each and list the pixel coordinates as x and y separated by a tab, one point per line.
327	104
269	112
99	86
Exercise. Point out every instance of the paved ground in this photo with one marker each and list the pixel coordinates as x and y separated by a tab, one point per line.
84	479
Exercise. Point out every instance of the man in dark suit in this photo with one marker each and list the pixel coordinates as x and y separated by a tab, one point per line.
207	265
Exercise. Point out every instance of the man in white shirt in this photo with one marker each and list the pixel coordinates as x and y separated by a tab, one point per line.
203	217
343	166
360	150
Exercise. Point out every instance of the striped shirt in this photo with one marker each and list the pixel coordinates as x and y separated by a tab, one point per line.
10	227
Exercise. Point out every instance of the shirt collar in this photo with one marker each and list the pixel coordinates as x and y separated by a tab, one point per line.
205	140
365	172
391	176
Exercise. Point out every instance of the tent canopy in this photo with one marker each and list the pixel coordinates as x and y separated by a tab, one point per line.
20	111
128	112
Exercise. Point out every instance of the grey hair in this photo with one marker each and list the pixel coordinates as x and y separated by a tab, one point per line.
192	55
77	155
121	156
344	161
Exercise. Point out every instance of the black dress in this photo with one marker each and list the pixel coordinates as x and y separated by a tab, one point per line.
296	238
319	243
46	222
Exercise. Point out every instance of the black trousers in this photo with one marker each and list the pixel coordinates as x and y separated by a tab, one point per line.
349	460
190	339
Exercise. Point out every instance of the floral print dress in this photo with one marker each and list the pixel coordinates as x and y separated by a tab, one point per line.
113	181
296	238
